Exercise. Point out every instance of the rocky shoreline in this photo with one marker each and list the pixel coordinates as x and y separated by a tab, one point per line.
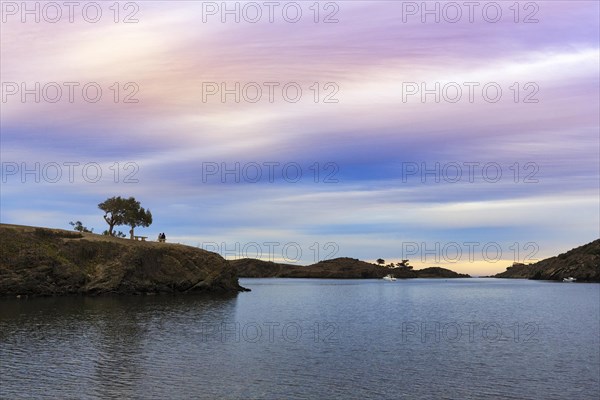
582	263
49	262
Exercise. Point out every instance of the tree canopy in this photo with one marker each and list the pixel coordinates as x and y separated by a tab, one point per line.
121	211
137	216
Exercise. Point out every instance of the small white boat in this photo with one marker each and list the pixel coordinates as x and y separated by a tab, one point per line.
389	278
569	279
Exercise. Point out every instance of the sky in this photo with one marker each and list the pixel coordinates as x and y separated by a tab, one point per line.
453	135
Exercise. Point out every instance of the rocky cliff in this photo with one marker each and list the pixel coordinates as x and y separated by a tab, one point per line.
582	263
42	261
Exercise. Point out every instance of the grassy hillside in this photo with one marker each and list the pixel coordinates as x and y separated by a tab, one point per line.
338	268
42	261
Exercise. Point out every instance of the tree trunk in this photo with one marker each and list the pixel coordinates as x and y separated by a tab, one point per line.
131	233
111	224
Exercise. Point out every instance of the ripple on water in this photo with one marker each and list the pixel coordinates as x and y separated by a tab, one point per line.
171	346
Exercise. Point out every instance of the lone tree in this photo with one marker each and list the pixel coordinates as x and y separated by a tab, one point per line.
114	211
136	216
380	261
120	211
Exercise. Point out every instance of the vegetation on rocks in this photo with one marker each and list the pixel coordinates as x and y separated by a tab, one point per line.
41	261
582	263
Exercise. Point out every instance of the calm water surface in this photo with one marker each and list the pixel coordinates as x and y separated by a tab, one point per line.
300	338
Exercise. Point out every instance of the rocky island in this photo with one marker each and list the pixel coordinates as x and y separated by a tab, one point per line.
582	263
46	262
338	268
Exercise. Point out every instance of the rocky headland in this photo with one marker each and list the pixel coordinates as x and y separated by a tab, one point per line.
582	263
46	262
338	268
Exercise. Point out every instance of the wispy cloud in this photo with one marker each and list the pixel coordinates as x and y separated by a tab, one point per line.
364	141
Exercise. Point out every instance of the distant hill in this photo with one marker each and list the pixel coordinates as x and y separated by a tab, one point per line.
338	268
582	263
42	261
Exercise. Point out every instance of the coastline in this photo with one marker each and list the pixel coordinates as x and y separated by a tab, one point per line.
49	262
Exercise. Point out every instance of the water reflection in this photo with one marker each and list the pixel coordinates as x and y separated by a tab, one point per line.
309	339
100	347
